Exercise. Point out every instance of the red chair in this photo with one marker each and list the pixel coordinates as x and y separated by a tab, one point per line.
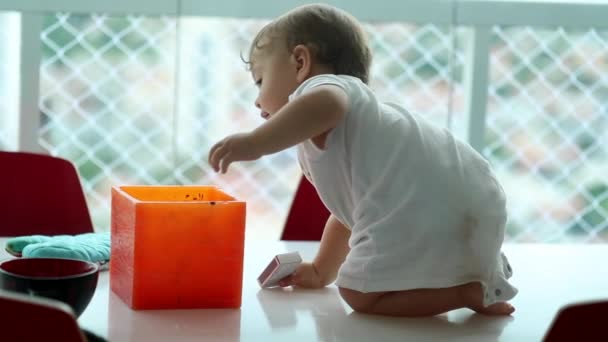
307	216
580	322
41	194
26	318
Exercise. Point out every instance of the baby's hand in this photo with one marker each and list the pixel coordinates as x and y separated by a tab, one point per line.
305	275
236	147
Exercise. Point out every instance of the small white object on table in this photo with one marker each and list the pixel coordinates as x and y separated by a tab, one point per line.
547	276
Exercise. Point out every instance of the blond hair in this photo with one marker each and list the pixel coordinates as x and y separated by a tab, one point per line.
335	38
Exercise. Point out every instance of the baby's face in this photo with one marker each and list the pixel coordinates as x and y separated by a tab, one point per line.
274	72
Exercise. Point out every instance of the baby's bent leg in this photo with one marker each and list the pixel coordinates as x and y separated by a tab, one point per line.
411	303
422	302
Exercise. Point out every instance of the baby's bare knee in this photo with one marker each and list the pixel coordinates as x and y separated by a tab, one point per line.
359	301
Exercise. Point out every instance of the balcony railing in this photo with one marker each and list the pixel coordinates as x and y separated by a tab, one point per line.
136	91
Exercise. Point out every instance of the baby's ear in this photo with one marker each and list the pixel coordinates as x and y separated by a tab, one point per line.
303	59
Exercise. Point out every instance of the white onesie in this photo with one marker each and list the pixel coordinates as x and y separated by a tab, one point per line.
424	209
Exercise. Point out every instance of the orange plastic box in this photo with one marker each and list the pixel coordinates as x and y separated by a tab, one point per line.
177	247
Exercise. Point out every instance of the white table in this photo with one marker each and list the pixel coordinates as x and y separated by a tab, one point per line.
548	276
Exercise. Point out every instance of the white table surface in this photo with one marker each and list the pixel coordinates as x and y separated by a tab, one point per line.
548	276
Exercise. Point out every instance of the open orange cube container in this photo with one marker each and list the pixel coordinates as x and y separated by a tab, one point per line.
177	247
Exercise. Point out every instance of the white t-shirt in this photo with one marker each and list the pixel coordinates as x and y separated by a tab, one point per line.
406	189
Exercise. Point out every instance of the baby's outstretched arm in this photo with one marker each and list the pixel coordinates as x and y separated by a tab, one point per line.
309	115
324	269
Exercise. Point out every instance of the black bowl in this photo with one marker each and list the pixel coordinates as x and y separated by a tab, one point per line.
70	281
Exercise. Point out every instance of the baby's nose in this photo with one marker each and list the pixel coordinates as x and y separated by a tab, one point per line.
257	103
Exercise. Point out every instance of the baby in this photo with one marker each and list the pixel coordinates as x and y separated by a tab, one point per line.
417	217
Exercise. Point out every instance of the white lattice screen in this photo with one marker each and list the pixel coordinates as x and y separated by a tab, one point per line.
141	99
547	118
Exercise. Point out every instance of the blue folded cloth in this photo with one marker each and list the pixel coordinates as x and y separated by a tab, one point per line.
93	247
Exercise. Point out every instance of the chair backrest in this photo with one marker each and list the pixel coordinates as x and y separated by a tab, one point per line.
26	318
307	215
41	194
580	322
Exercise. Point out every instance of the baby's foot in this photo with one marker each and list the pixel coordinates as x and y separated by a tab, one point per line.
496	309
473	294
